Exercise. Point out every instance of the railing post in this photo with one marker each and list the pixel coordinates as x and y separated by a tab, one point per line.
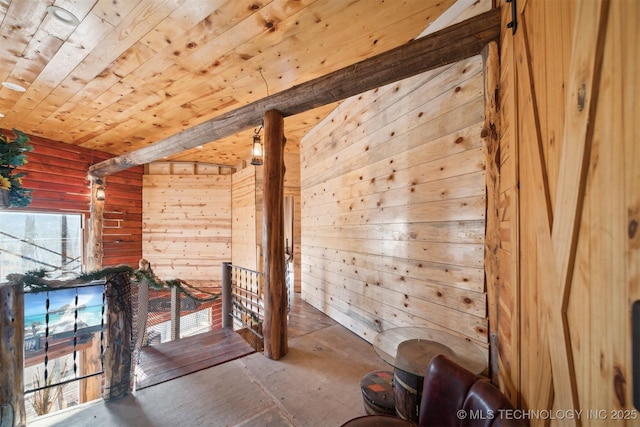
12	411
119	351
175	313
226	295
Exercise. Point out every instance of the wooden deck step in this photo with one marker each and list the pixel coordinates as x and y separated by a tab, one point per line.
173	359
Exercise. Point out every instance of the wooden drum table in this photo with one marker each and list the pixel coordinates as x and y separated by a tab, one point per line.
409	350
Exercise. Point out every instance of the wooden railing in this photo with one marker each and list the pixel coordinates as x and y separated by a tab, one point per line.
117	353
242	299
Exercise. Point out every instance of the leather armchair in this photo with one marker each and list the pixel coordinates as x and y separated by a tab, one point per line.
452	396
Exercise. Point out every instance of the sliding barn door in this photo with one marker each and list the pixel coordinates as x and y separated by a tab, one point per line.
571	192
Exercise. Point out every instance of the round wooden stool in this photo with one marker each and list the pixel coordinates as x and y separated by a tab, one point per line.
377	393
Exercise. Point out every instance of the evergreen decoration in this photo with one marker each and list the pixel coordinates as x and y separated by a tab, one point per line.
36	281
13	155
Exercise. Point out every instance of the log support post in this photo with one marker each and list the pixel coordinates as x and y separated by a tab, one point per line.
12	410
226	295
275	293
491	138
94	242
119	351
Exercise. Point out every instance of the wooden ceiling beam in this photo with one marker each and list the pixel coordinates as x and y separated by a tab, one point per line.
446	46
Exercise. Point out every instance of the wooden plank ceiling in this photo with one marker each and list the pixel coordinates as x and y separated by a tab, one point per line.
137	71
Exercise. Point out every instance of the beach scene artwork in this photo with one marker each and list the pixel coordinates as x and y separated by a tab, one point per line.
62	310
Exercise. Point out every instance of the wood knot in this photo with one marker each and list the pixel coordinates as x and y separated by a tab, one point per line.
619	386
467	300
633	227
582	94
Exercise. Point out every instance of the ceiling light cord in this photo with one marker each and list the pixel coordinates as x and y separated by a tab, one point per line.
265	80
257	130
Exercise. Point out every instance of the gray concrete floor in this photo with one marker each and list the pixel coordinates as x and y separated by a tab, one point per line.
317	384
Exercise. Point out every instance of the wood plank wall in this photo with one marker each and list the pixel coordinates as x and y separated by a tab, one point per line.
122	224
570	120
393	212
247	212
247	219
187	221
508	292
292	189
58	175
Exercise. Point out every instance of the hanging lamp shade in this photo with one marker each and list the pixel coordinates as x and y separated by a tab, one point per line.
256	150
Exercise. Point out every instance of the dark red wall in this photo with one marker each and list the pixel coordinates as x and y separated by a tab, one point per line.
58	175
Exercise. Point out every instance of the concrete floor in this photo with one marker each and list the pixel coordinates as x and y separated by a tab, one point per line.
317	384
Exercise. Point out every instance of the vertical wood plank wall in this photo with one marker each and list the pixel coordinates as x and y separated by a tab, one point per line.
393	211
543	69
58	175
508	321
187	221
292	189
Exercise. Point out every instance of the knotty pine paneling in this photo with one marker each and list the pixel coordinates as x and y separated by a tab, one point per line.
247	216
571	351
393	207
508	327
247	212
58	175
187	223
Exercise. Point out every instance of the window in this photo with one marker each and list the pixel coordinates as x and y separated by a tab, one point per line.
36	241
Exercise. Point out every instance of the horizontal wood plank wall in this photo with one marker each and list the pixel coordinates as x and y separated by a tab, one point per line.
247	215
58	175
122	223
187	222
247	212
393	211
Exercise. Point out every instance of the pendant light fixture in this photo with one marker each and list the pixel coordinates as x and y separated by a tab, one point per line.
101	194
256	148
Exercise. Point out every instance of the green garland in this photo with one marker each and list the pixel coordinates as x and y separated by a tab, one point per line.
35	281
12	156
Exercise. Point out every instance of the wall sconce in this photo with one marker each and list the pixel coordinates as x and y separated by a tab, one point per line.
256	149
100	193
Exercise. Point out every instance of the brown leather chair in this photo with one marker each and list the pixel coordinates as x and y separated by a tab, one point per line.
452	396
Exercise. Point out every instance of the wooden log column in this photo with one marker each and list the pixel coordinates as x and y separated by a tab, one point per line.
119	351
491	138
275	294
94	241
12	411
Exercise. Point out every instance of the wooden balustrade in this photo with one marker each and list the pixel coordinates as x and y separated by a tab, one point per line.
117	355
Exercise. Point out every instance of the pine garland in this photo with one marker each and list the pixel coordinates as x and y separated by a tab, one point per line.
35	281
